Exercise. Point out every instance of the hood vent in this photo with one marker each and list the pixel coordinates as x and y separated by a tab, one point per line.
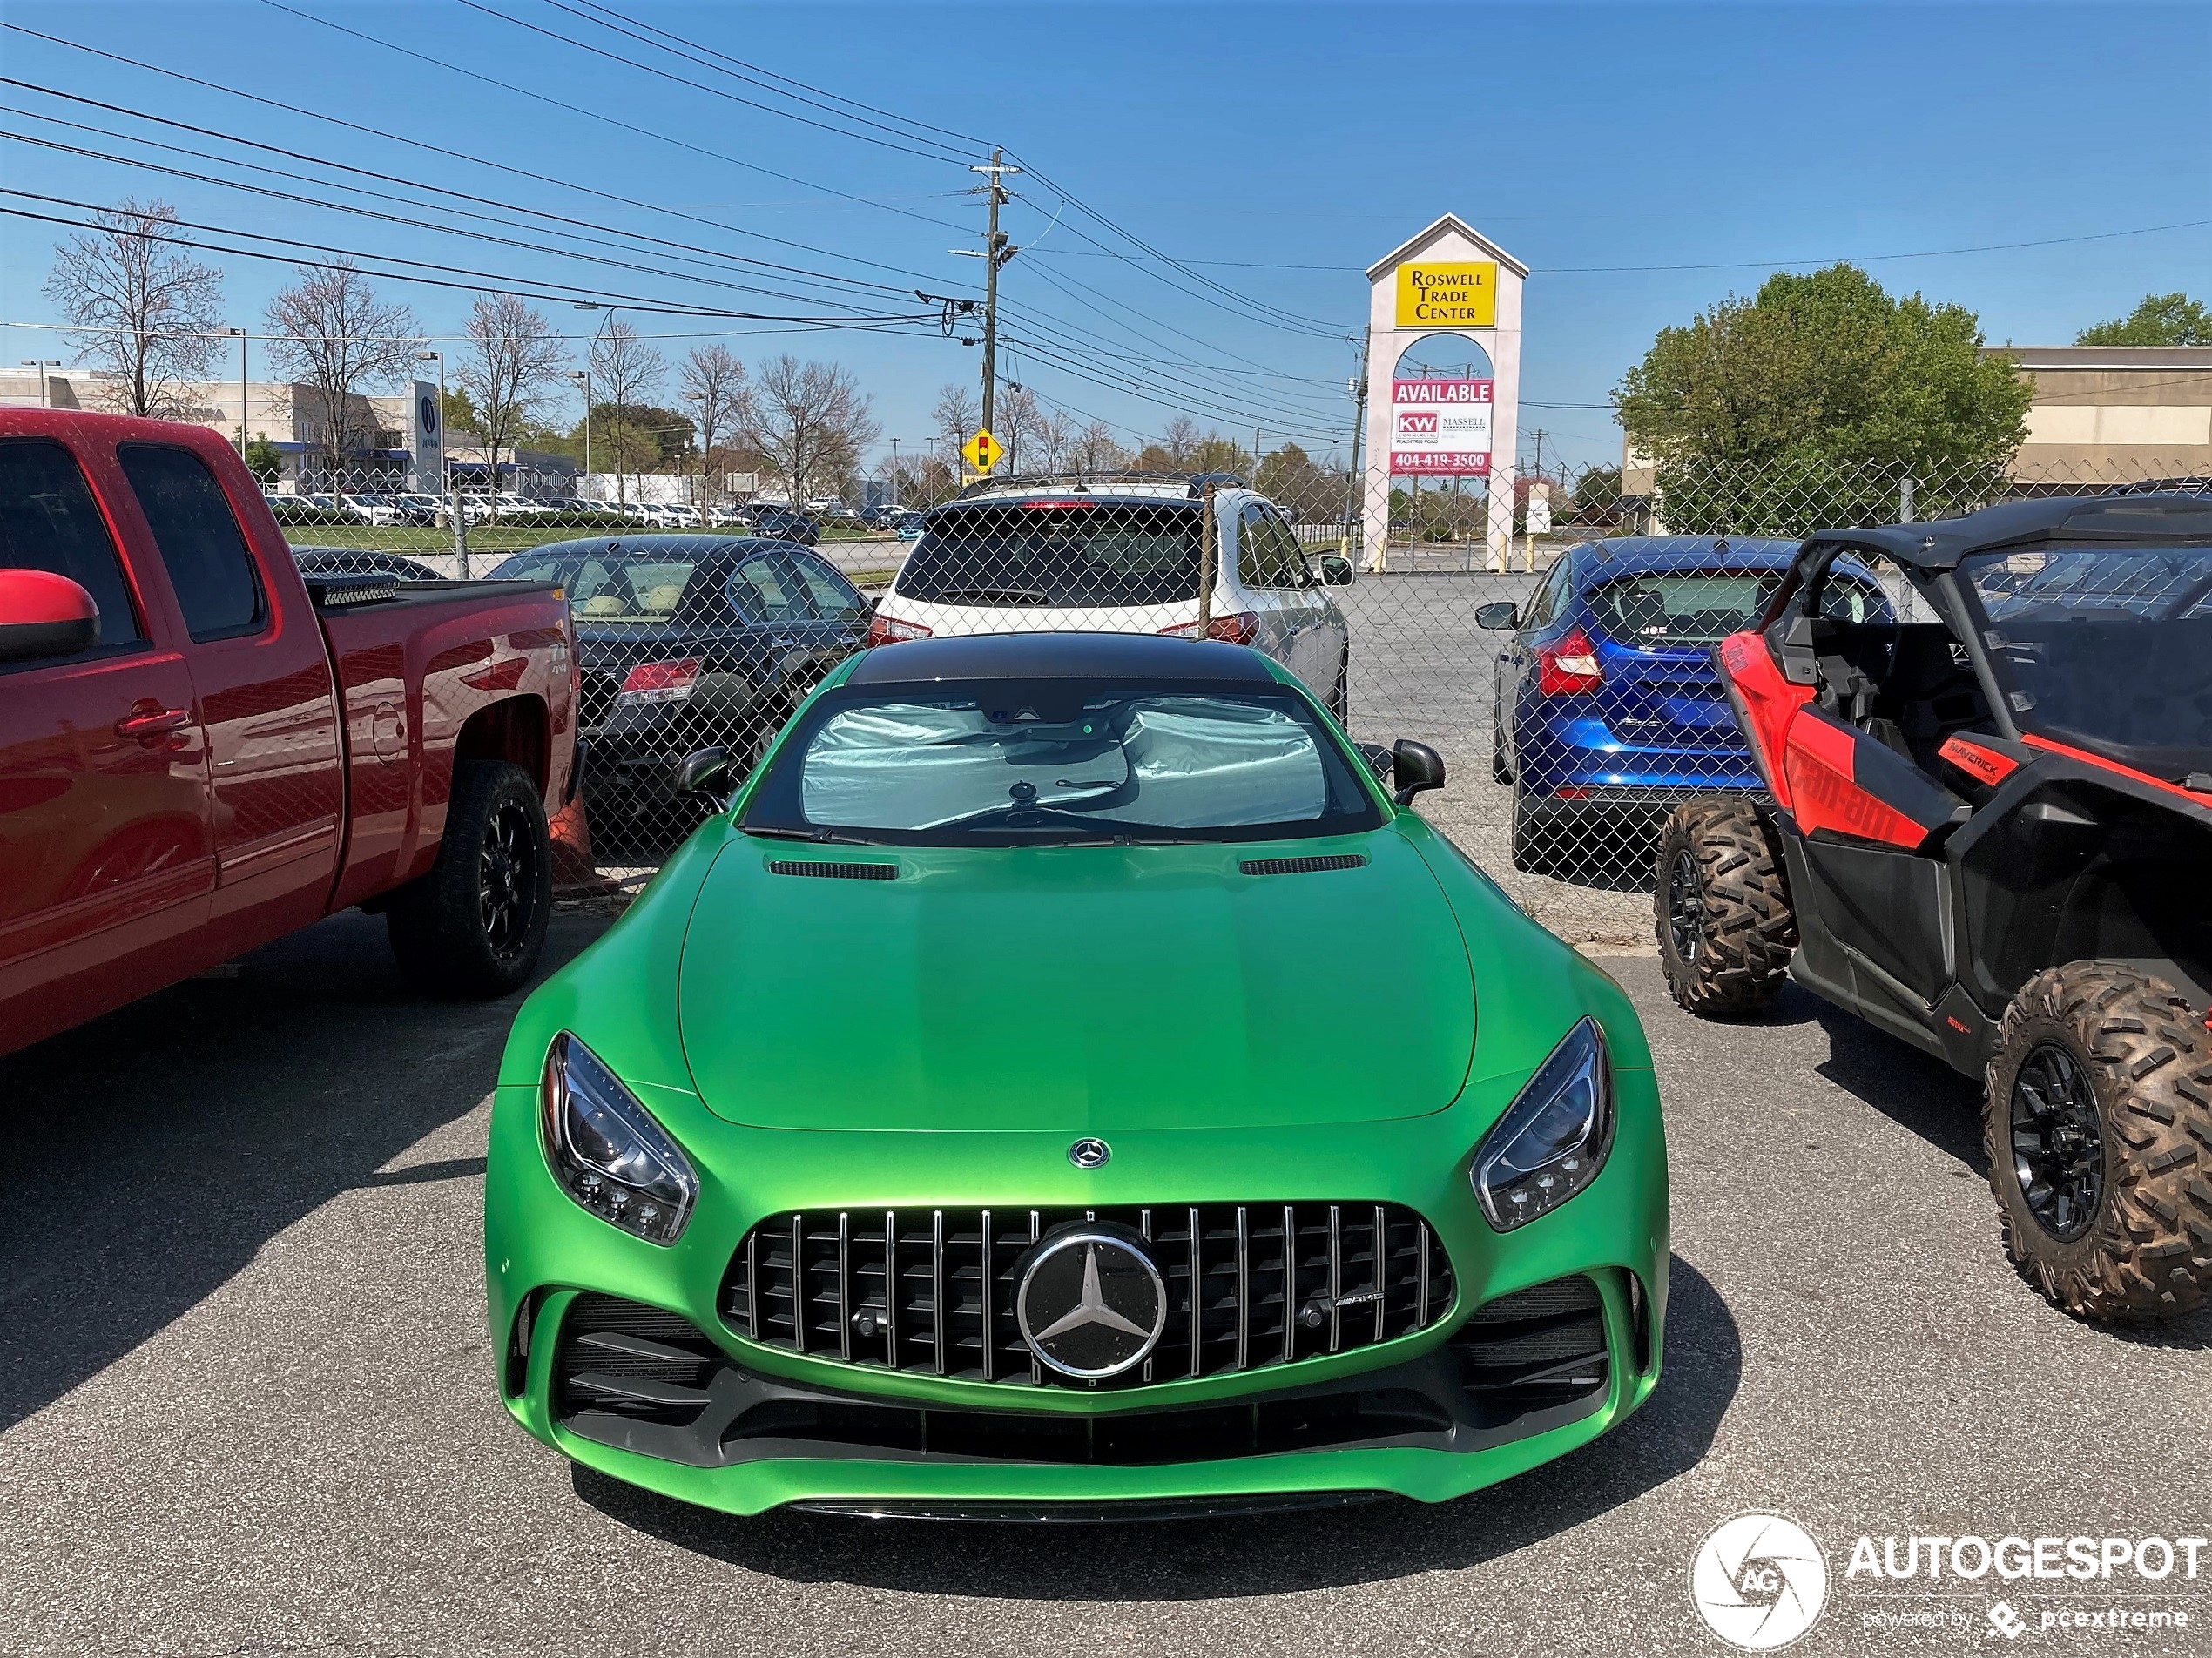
1303	866
823	869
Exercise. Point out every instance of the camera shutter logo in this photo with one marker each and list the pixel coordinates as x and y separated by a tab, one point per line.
1759	1582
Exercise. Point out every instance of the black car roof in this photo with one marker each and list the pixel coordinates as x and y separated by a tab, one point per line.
1060	656
698	544
1940	543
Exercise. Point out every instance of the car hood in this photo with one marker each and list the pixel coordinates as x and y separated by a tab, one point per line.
1077	989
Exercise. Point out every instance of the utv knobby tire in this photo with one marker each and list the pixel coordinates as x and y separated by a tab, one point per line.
2145	1254
1741	930
475	925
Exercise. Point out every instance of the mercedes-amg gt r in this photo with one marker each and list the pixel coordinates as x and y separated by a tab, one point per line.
1063	1080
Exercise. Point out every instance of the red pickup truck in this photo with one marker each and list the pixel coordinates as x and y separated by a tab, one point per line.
200	752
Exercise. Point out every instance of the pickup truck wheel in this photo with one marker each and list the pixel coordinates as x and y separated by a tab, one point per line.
475	925
1722	909
2097	1124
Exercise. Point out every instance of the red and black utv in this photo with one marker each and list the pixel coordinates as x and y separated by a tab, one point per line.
1989	833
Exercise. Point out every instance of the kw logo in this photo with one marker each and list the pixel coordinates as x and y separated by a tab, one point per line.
1417	421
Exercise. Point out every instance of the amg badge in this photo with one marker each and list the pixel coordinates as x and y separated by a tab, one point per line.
1091	1305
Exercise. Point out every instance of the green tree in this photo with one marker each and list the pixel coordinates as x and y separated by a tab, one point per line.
2161	319
1808	402
263	460
459	412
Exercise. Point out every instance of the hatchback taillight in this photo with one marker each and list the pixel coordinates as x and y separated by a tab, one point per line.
1238	627
889	629
660	681
1568	665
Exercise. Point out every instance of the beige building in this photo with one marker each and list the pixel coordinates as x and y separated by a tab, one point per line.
2108	414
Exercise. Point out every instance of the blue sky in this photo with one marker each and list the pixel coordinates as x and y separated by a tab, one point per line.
1288	145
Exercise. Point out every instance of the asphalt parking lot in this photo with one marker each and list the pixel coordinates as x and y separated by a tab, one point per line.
247	1406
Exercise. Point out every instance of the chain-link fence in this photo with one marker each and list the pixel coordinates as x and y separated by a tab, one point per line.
1564	669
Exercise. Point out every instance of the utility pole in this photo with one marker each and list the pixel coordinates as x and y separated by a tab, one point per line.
1352	485
241	333
894	472
996	253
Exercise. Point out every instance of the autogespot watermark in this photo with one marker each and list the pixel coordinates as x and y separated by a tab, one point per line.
1760	1581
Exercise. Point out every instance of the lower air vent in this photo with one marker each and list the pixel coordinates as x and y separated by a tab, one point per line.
628	1360
1537	1347
1303	866
821	869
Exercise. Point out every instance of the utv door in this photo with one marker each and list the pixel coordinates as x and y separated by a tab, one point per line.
1870	819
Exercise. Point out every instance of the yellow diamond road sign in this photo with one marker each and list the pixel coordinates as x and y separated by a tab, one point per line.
982	451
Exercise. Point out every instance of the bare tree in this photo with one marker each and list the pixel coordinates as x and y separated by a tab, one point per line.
141	309
1094	449
1018	417
513	358
1181	439
1055	440
334	336
714	387
626	371
955	413
808	420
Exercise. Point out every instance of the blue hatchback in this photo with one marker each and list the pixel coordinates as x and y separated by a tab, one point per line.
1609	707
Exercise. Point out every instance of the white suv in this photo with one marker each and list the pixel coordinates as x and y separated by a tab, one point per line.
1124	557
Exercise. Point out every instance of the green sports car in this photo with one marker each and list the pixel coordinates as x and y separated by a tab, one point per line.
1065	1082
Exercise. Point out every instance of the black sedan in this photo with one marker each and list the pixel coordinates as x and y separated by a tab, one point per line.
361	561
788	526
689	641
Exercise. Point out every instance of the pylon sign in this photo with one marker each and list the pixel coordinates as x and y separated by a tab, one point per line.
981	452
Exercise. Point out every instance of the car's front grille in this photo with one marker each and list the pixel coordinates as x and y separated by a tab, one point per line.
932	1291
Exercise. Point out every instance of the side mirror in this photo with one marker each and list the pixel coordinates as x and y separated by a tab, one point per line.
45	615
1334	570
1499	615
1416	766
1377	757
706	771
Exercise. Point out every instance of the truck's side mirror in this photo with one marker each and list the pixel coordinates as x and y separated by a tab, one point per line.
1499	615
1416	766
705	772
45	615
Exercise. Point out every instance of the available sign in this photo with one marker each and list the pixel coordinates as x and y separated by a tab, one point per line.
1439	427
1448	296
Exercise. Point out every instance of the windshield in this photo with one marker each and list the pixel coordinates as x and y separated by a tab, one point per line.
1017	763
1057	553
2108	646
1704	607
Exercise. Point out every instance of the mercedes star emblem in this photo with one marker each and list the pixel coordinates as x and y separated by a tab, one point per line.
1091	1305
1090	1153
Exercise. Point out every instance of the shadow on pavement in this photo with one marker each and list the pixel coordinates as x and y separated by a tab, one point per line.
1203	1559
155	1150
1916	1091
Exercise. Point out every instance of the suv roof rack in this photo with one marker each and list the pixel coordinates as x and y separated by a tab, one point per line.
1194	484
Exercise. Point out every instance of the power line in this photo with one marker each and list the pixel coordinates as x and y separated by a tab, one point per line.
523	287
595	115
445	153
385	178
395	218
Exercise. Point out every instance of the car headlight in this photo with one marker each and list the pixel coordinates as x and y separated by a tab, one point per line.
607	1151
1553	1137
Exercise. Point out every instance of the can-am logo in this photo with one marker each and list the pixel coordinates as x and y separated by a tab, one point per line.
1759	1582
